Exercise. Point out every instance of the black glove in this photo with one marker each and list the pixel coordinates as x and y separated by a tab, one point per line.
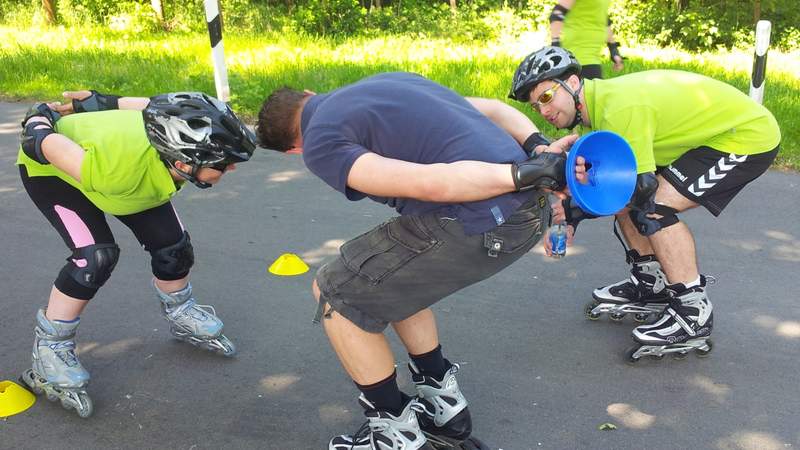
544	170
96	102
574	214
32	136
534	140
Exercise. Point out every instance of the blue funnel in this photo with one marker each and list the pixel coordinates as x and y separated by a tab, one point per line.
612	175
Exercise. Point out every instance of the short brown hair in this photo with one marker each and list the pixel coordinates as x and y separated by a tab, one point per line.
276	129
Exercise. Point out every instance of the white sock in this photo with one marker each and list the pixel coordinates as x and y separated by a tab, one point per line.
694	283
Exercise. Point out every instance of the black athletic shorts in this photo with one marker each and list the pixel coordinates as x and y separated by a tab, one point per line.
713	178
411	262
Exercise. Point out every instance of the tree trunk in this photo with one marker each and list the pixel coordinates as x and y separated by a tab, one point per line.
681	5
756	11
453	5
49	11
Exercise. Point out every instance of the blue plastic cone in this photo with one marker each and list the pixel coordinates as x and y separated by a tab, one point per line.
612	175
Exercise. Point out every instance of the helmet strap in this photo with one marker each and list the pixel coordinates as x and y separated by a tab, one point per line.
190	177
576	100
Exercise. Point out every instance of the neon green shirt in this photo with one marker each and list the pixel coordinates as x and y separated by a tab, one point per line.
121	172
664	113
585	30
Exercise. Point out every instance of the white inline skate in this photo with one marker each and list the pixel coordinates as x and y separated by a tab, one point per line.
385	431
56	370
643	294
445	418
684	326
193	323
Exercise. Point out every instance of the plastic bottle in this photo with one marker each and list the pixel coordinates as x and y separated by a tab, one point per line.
558	240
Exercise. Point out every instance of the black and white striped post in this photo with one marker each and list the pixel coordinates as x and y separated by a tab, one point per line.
763	28
214	20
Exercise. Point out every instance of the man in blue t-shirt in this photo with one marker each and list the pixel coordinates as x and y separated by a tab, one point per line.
456	179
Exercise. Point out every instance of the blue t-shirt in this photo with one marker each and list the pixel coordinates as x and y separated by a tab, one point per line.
407	117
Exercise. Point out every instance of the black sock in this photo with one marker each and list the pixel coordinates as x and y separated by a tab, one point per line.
384	395
432	363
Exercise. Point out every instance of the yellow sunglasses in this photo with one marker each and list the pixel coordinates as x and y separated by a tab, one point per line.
546	97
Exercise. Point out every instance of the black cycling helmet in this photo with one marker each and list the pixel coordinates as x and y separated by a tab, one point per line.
547	63
198	130
544	64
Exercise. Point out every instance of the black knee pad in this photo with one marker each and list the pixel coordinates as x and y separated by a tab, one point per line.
173	262
648	226
87	270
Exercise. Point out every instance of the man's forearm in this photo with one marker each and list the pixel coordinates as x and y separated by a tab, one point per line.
469	181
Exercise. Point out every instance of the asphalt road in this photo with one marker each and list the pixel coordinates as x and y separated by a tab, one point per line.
536	373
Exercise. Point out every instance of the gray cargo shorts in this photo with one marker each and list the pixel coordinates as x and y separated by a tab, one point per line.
409	263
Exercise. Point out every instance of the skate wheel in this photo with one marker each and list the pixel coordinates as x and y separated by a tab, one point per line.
26	381
703	353
641	318
656	357
680	355
587	311
616	317
630	353
86	406
226	347
65	404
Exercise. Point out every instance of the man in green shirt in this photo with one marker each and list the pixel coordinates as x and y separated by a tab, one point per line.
697	141
125	157
583	26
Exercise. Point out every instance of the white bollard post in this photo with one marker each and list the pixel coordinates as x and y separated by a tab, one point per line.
214	20
763	28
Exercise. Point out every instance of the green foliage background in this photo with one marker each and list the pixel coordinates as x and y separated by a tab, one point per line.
123	47
692	25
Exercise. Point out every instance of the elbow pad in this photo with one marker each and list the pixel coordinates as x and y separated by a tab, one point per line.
545	170
558	14
96	102
32	137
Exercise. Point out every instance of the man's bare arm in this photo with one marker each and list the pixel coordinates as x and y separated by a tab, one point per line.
460	181
505	116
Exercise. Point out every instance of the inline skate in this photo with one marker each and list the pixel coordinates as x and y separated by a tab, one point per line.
193	323
56	370
684	326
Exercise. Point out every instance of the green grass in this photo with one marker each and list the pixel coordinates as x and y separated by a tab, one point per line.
36	64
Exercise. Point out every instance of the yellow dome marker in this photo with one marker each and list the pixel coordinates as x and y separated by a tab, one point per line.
288	264
14	398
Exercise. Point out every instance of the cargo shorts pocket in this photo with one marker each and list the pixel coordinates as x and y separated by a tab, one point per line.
522	230
382	251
